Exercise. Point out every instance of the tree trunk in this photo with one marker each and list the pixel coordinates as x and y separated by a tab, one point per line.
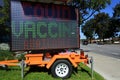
112	40
90	40
103	40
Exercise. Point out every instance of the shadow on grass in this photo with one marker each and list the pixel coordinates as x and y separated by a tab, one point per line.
82	69
9	68
36	69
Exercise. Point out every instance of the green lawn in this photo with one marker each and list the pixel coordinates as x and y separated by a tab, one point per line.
14	73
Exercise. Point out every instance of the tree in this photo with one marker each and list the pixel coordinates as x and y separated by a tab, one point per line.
102	25
4	22
116	10
113	27
88	29
116	17
5	12
89	7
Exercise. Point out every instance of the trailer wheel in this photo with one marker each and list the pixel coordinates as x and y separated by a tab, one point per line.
62	69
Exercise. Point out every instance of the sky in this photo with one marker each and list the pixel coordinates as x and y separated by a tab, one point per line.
108	9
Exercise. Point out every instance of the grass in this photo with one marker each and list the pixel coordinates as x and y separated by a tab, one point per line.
35	73
14	73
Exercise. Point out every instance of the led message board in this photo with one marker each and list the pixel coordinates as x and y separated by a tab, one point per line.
38	26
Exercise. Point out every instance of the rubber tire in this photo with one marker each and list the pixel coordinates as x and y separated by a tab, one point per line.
59	62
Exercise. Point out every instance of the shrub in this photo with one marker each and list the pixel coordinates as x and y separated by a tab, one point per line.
6	55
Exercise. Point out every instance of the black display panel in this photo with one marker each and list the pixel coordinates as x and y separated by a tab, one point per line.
38	26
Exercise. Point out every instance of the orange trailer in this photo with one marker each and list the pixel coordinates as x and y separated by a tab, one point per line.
61	64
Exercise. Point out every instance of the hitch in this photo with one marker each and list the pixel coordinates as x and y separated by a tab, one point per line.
7	63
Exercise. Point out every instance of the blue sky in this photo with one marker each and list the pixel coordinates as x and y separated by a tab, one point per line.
108	9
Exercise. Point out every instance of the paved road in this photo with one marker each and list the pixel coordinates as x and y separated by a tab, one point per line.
106	59
108	50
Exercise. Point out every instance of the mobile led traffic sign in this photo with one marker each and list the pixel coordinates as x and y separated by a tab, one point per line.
39	26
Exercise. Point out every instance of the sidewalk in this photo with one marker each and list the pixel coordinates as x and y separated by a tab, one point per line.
108	67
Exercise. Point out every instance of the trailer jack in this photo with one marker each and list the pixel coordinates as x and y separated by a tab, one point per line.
92	69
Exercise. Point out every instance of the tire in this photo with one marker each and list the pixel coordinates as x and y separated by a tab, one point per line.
61	69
